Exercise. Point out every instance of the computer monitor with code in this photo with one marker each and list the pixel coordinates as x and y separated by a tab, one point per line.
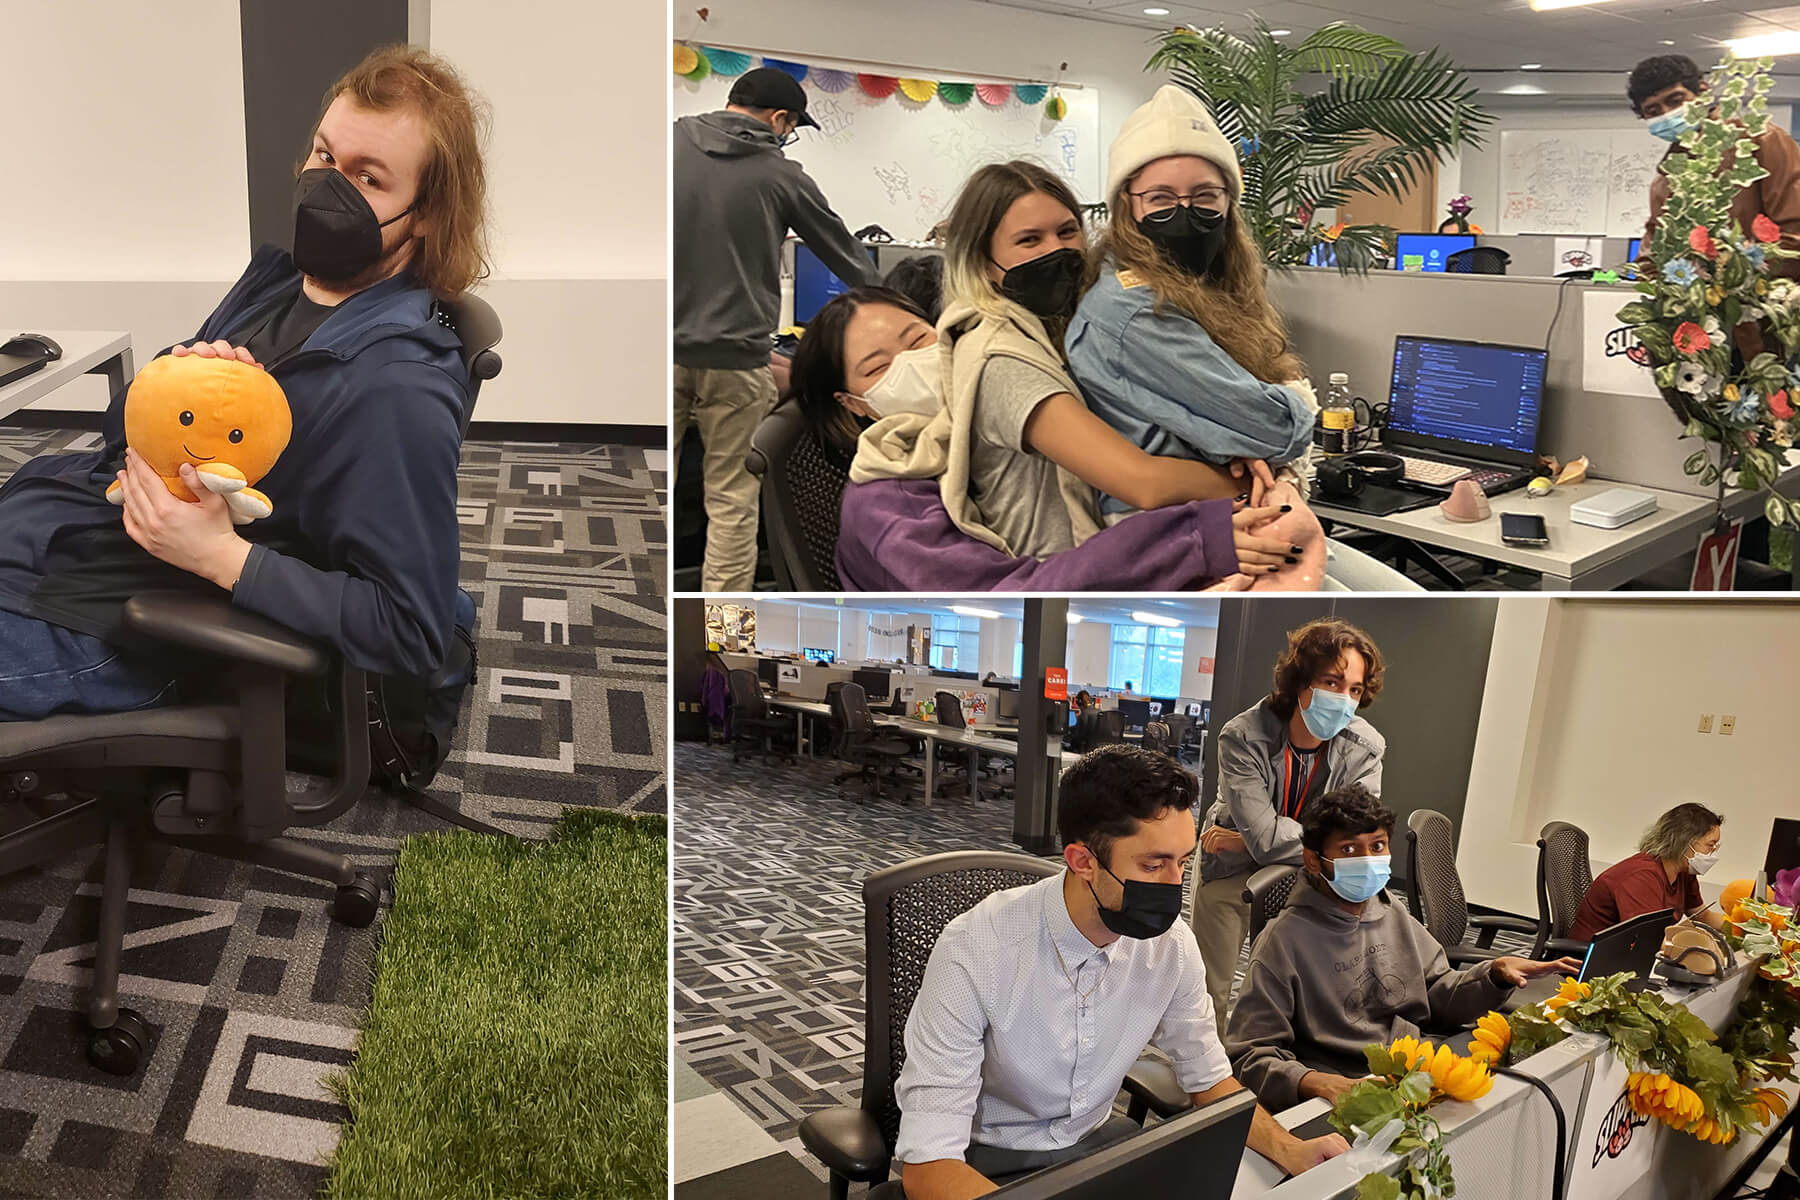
1467	398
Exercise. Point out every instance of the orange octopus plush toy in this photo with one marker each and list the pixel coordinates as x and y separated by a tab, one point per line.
228	419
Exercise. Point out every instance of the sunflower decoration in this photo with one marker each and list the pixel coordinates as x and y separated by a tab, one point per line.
1567	994
1493	1036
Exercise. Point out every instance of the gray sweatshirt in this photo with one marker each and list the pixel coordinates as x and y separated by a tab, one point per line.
1250	754
736	197
1323	984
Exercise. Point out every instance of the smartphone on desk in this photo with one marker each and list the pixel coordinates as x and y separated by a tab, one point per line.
1523	529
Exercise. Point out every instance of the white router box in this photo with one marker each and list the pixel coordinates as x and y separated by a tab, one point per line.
1613	508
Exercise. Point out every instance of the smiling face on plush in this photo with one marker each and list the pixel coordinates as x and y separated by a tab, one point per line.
211	412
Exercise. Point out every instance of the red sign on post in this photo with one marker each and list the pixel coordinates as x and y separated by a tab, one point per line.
1056	683
1715	564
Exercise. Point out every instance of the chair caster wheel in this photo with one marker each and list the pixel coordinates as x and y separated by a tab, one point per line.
357	902
120	1048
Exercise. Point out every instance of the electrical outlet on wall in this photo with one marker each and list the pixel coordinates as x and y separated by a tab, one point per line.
1727	723
1705	722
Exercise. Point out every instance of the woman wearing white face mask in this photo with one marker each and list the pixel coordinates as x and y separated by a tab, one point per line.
869	355
1665	874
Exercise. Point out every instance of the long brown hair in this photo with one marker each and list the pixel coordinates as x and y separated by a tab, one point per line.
980	207
1231	303
453	187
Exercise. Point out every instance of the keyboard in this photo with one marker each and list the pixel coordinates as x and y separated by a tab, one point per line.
1429	472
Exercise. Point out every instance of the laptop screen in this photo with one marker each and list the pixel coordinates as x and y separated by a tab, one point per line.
1467	398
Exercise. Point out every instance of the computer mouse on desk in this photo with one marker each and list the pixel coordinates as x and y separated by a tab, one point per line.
32	345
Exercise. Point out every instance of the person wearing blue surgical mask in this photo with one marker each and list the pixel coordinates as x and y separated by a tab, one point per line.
1300	741
1345	966
1662	91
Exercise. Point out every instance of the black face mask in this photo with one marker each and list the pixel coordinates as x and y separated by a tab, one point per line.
1147	911
1191	238
336	235
1046	285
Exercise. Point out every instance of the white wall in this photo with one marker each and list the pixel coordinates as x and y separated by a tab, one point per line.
940	38
1590	716
1198	642
998	639
1090	654
578	164
125	205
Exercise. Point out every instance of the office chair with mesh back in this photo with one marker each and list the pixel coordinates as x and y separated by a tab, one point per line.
1109	728
1564	874
1479	260
953	764
905	908
753	726
1267	892
865	745
801	489
1436	896
210	775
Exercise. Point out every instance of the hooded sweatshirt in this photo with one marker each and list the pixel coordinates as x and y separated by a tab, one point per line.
915	446
361	552
1323	984
736	196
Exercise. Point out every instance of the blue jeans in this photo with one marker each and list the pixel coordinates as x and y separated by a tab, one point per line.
46	669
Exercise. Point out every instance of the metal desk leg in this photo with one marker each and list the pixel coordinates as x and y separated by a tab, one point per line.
930	769
974	774
799	730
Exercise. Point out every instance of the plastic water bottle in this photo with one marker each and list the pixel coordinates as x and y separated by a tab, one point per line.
1337	418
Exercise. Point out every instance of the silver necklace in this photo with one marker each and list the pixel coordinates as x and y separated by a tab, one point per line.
1081	997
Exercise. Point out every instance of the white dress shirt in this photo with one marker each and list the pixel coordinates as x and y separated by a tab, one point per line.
1001	1050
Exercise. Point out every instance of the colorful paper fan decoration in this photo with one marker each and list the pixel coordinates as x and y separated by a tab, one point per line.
920	90
702	68
955	93
995	94
685	59
1057	109
1030	93
797	70
726	62
828	80
878	86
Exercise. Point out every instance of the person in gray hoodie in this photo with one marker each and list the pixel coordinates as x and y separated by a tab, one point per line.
1299	742
1344	967
736	197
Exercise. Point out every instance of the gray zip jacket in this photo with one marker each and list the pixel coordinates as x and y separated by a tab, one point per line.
1324	983
736	197
1250	765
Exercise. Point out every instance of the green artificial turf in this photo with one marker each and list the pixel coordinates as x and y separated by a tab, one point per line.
516	1045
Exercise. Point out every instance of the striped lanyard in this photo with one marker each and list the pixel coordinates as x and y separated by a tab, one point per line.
1291	803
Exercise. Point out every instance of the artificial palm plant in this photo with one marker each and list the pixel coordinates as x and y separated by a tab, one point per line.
1381	115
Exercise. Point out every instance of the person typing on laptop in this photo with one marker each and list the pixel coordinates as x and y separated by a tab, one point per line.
1343	967
1680	847
1037	1001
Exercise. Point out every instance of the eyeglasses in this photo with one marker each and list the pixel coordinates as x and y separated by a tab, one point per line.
789	138
1162	201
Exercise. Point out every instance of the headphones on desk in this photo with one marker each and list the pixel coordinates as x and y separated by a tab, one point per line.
1346	475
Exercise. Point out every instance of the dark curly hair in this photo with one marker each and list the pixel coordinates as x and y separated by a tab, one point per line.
921	280
1111	789
1659	74
1313	649
1349	810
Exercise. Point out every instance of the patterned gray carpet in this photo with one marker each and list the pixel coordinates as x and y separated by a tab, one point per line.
254	992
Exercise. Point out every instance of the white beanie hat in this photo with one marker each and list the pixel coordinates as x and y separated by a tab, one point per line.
1173	122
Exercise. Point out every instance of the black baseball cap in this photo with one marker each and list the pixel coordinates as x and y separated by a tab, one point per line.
771	87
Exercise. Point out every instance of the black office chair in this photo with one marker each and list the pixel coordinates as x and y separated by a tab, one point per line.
802	486
1157	737
753	726
1564	875
1109	728
1267	892
1436	893
1081	738
905	908
1479	260
208	774
870	748
953	760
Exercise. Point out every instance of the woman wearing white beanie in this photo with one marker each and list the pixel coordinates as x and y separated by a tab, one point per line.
1176	344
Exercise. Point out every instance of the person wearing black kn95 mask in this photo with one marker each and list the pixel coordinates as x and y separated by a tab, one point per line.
1037	1001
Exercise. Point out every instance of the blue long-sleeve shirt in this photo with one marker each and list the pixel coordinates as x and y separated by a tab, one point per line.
362	549
1160	379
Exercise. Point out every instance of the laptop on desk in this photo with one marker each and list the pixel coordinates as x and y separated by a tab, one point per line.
1628	946
1460	410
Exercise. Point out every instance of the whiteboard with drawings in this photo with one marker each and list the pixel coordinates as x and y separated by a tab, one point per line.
1570	181
899	165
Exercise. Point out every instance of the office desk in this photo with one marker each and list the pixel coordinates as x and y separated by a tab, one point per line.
1579	557
85	352
976	741
1502	1147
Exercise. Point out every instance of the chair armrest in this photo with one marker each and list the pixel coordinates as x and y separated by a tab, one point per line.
210	625
1489	924
1562	946
1153	1081
1465	955
849	1143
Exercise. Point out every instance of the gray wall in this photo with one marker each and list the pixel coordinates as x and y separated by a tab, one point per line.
1436	649
292	53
